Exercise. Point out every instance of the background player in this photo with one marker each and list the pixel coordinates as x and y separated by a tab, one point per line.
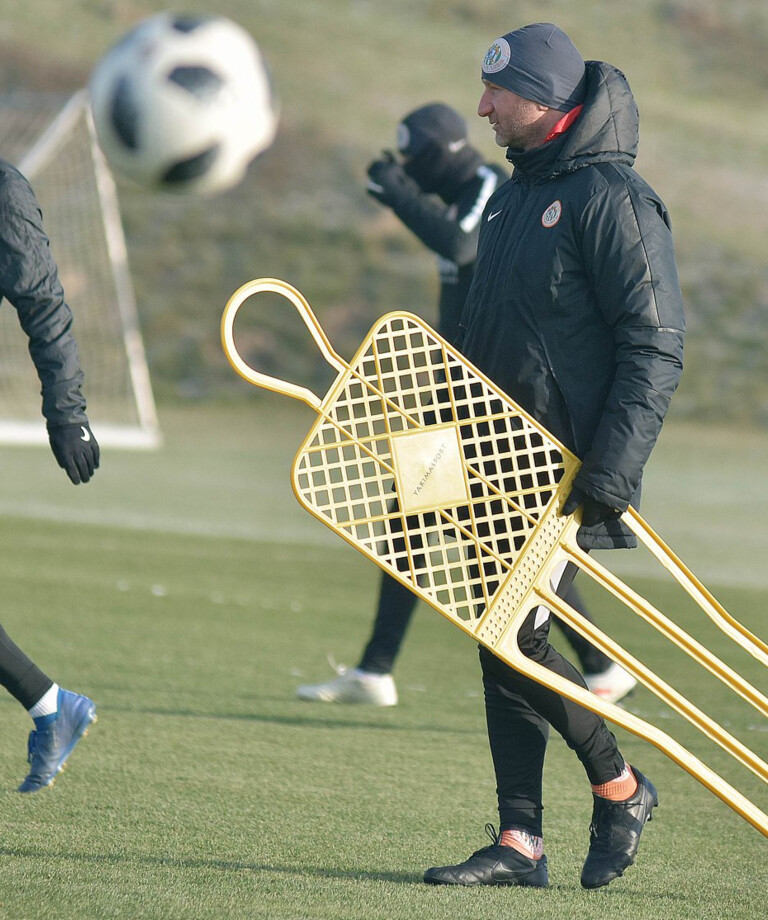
438	188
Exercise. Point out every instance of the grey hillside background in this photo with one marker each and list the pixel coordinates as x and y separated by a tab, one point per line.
346	70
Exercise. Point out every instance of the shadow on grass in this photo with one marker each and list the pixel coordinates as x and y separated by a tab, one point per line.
224	865
642	895
295	720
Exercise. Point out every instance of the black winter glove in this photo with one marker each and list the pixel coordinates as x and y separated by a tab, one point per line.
387	179
75	449
593	511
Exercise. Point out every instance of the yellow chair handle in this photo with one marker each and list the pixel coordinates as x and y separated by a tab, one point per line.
275	286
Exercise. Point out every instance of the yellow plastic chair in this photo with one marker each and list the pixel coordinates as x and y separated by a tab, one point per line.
422	464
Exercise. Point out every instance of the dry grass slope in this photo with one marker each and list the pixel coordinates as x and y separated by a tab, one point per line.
345	72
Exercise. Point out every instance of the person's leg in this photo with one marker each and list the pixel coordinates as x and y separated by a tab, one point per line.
518	740
19	675
585	732
517	734
603	676
393	616
591	659
61	718
623	798
371	681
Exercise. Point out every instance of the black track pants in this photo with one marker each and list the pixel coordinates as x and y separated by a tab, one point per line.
591	660
519	712
20	676
393	616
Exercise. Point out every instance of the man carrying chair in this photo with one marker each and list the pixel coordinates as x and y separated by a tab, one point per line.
439	190
575	311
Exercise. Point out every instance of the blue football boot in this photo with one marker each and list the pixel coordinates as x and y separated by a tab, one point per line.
51	744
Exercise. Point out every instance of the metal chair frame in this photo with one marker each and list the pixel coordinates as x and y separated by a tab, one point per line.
422	464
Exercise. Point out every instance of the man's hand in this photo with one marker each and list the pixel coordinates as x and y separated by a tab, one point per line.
75	449
593	511
386	178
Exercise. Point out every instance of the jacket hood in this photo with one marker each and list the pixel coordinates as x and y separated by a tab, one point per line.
606	130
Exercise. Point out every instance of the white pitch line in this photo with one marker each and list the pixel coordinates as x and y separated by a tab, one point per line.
713	568
131	520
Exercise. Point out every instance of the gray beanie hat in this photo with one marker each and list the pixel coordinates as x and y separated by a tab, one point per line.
538	62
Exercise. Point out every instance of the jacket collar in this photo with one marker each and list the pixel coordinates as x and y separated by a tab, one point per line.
607	129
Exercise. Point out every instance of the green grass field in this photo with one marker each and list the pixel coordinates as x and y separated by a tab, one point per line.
188	594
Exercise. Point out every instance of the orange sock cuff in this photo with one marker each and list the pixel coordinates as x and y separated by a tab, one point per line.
523	842
619	789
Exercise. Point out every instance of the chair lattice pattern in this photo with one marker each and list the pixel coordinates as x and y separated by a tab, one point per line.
426	467
423	465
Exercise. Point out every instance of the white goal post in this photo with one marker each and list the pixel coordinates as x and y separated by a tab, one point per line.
55	147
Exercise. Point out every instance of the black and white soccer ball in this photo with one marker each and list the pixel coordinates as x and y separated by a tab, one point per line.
183	103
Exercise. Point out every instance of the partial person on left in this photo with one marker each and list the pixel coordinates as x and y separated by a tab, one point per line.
29	281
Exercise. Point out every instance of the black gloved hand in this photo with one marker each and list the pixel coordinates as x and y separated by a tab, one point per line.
386	178
75	449
593	512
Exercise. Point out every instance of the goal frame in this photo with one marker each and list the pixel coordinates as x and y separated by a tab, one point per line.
145	433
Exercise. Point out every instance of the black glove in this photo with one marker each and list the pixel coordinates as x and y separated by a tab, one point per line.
387	179
593	512
75	449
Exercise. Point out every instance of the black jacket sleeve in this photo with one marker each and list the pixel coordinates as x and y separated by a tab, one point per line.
29	281
442	228
628	251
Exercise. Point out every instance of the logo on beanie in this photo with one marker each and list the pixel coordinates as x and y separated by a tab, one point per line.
497	56
552	214
403	137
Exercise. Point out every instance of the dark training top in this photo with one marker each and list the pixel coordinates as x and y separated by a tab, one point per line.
29	281
451	231
575	308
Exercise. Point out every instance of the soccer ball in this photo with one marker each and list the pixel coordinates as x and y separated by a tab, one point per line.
183	103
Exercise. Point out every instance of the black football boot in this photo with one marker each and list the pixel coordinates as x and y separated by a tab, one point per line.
615	833
493	865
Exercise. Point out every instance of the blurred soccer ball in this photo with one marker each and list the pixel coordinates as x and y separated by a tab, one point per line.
183	103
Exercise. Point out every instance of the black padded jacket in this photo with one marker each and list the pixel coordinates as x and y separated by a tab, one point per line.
29	281
575	307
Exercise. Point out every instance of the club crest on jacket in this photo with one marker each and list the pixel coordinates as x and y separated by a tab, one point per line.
552	214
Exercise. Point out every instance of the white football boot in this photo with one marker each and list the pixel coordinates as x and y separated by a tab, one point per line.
352	686
611	685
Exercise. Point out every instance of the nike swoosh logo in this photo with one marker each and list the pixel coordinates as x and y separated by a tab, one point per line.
455	146
86	435
491	216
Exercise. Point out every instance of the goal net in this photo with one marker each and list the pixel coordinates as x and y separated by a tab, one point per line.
52	142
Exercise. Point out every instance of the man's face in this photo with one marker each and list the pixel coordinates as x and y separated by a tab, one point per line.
517	122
